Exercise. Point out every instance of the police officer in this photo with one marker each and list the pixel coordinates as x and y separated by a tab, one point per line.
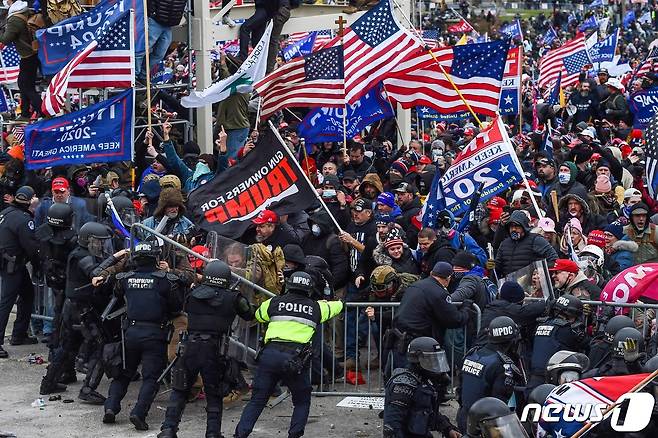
211	309
601	345
56	241
411	406
293	319
564	330
151	297
81	315
627	356
490	370
566	366
490	417
17	246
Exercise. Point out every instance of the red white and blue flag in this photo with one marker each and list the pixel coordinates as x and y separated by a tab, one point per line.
9	64
569	59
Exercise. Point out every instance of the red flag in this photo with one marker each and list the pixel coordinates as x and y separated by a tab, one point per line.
461	27
631	284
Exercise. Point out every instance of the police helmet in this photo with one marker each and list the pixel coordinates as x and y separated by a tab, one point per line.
427	353
617	323
146	252
217	273
125	208
540	393
565	366
649	367
60	215
322	276
384	281
490	417
568	305
97	238
24	195
623	335
503	330
300	281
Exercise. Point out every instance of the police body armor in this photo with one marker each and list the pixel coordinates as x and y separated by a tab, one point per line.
295	307
146	302
547	342
78	280
478	364
211	309
410	390
55	247
12	257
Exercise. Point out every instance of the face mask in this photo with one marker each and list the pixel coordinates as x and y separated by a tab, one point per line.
172	215
515	235
329	193
564	178
201	169
81	181
316	230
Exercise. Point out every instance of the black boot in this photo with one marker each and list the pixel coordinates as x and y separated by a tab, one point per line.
90	396
139	423
3	353
109	417
167	433
49	383
68	377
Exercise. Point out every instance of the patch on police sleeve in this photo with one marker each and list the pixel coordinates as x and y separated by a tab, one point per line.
30	225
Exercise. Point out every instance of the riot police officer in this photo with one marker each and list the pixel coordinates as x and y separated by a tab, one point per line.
151	296
490	417
601	345
293	319
627	356
491	370
81	315
563	331
211	308
17	247
411	406
56	241
566	366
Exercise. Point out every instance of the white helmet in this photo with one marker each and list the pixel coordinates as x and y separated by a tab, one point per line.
596	252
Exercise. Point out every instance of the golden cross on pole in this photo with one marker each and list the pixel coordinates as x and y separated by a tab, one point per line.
340	21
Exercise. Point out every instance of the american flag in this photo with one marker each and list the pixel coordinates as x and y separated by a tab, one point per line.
373	45
315	80
322	37
651	156
476	69
18	131
10	61
568	59
431	38
56	91
111	64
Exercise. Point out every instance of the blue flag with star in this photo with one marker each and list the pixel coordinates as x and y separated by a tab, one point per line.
590	23
428	113
554	98
513	30
302	47
604	51
434	203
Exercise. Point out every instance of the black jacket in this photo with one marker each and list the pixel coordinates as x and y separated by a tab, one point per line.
524	315
440	251
408	212
427	310
516	254
362	263
167	12
328	246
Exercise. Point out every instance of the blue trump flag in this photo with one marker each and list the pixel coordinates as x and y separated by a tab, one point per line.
644	105
549	36
513	30
488	160
60	43
434	204
326	124
604	51
428	113
629	18
302	47
98	133
554	98
161	74
590	23
596	4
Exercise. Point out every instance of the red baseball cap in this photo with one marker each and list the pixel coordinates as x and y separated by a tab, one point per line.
60	184
424	159
565	265
266	217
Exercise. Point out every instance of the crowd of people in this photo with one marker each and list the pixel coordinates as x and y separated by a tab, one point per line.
527	259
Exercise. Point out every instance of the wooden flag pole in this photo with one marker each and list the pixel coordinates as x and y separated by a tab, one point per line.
520	91
426	47
148	69
340	22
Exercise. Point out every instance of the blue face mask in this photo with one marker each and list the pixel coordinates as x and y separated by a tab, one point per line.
564	178
201	169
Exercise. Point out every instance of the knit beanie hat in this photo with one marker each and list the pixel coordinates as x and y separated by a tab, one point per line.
573	223
596	237
464	260
386	198
602	184
399	167
512	291
616	229
394	237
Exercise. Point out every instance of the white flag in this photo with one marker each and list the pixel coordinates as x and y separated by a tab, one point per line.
603	25
252	70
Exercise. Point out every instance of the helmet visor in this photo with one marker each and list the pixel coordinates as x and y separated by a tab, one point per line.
569	376
128	217
503	427
434	362
100	247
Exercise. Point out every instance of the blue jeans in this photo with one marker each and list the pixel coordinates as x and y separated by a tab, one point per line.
272	367
159	42
235	139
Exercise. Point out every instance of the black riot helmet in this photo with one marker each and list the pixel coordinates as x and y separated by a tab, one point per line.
569	306
566	366
60	215
489	417
617	323
649	367
125	209
623	335
427	353
146	253
324	279
503	330
96	238
540	393
217	273
24	196
300	282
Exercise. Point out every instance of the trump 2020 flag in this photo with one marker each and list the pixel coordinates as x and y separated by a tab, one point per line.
251	71
513	30
326	124
299	48
99	133
490	159
266	178
651	157
604	51
509	94
590	23
549	36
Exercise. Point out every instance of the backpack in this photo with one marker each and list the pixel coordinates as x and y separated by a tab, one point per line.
34	22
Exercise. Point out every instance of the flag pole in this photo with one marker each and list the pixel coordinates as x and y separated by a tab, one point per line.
427	48
340	21
308	181
583	430
520	103
148	68
395	117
